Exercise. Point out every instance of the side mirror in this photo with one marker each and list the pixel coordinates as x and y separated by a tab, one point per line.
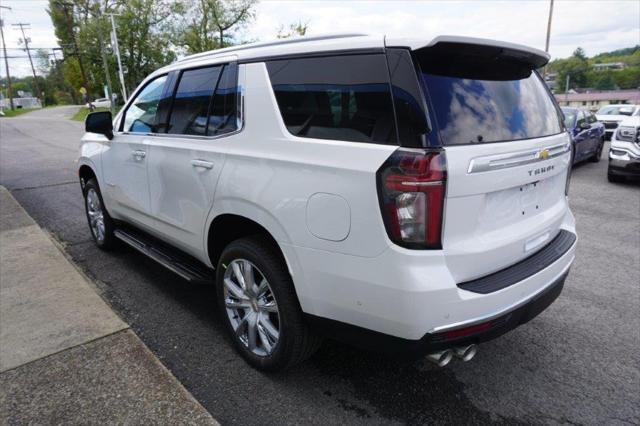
585	126
100	122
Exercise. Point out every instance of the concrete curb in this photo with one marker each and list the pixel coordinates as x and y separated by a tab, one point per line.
65	356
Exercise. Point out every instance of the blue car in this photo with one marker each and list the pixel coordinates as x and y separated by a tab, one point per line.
587	134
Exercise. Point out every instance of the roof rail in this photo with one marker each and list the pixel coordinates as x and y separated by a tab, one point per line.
232	49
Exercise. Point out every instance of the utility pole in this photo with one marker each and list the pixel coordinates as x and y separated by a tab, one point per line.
116	48
6	62
546	45
26	40
566	90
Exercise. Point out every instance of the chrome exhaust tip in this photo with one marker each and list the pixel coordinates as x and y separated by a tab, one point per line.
441	358
465	353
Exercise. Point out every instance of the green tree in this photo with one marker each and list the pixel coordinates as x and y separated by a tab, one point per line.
575	67
628	78
579	53
145	29
298	28
213	24
605	82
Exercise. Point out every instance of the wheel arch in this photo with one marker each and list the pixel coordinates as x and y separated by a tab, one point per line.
86	172
227	227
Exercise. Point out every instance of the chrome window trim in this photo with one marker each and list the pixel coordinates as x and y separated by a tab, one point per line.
515	159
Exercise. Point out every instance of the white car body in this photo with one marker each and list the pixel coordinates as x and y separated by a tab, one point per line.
624	153
318	199
101	103
612	121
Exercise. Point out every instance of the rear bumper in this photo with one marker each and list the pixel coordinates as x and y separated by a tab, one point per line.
408	295
432	342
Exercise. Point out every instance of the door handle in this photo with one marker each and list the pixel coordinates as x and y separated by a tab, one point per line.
139	154
201	163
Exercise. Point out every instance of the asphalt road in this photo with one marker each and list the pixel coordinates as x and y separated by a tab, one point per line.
578	362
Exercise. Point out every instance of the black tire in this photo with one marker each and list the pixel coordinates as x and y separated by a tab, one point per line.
107	241
296	342
615	178
598	154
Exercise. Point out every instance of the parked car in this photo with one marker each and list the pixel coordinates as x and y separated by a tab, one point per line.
612	115
310	183
101	103
624	154
587	134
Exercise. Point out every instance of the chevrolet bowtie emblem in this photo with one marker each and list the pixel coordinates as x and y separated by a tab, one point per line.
544	154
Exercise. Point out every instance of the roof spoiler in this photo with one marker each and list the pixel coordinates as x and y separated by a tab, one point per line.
500	50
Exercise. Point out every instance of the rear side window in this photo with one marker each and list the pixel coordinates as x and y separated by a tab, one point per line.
346	98
223	118
477	104
191	102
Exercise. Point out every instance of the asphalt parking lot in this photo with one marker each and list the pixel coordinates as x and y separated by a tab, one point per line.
578	362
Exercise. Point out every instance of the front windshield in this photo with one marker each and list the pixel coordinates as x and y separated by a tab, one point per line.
569	117
614	110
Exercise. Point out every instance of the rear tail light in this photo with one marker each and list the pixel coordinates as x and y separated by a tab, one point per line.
411	188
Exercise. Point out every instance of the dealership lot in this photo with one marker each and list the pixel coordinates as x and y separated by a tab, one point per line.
577	362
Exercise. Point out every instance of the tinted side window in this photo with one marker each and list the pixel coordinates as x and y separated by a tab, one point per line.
140	116
191	102
581	119
413	128
345	98
222	118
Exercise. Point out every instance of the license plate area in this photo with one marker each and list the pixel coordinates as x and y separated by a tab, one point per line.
521	202
530	198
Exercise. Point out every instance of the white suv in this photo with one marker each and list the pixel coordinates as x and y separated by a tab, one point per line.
408	197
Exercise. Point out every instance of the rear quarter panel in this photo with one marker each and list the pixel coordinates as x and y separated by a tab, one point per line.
269	176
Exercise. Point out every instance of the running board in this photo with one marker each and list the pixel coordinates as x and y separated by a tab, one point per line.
179	263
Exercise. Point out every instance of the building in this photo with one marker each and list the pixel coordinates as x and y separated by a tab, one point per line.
609	66
595	99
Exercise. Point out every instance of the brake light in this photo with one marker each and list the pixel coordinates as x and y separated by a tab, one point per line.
411	188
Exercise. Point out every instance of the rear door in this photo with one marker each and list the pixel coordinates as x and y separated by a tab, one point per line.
507	156
185	163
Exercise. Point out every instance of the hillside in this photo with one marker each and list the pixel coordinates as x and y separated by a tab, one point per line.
583	74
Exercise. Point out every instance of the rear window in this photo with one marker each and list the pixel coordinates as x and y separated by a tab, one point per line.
346	98
472	105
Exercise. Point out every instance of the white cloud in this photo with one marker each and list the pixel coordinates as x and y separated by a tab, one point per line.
596	26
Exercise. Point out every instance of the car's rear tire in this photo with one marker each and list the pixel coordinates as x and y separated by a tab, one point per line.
598	154
260	309
615	178
100	223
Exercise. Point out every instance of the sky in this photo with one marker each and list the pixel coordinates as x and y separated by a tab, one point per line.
595	25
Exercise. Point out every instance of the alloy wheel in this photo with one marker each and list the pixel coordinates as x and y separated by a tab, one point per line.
96	215
251	307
